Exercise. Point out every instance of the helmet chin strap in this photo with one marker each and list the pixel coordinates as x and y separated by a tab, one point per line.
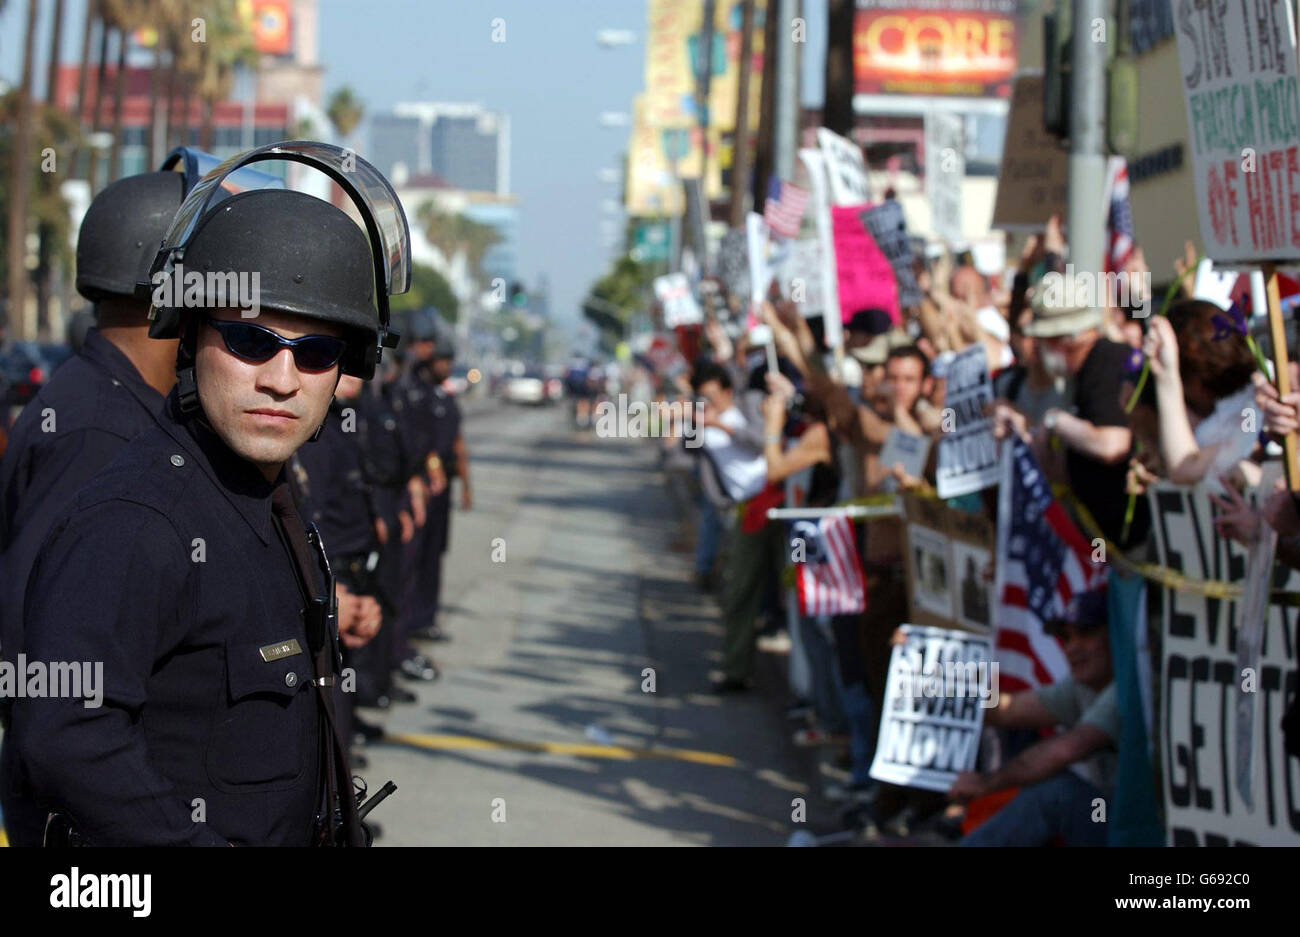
187	385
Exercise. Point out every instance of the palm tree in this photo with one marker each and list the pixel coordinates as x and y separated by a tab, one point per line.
47	188
19	179
229	45
345	112
455	234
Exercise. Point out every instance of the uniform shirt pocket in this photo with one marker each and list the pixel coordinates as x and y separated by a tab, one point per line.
265	732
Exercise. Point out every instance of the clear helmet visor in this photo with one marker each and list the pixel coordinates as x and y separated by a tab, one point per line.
196	164
376	202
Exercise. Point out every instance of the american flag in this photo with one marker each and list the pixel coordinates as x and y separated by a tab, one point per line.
830	580
783	210
1043	560
1120	235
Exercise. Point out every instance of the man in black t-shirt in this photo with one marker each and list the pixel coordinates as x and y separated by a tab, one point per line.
1094	431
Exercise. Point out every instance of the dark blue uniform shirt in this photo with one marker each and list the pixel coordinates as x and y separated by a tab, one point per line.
170	570
75	425
334	493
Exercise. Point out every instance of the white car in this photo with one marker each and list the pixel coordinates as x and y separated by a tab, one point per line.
530	387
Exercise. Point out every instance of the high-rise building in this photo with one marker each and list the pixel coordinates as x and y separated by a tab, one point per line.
467	146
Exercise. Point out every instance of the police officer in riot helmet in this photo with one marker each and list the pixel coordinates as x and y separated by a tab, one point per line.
100	399
184	567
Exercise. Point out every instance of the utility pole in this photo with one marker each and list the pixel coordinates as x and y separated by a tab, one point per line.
740	159
703	79
1087	218
786	119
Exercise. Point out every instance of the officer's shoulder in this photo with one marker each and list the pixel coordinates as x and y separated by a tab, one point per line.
78	398
151	471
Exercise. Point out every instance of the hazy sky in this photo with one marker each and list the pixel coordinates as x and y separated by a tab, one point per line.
549	75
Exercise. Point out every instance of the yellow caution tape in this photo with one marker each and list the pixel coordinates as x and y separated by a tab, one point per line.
1169	578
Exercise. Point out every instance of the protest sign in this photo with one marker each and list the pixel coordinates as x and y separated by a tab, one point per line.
846	170
864	278
905	449
800	276
968	454
814	167
945	168
885	224
938	686
673	290
733	262
948	563
1243	117
1034	172
1203	684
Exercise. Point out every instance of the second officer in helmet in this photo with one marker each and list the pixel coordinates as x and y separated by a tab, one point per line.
184	567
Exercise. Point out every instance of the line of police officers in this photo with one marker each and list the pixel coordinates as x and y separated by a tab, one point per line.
224	509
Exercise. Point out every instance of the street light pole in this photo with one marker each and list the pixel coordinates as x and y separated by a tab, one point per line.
1087	219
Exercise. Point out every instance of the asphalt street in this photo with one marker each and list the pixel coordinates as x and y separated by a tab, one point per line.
564	600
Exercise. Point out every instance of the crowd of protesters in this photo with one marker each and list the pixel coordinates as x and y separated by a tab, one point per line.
1069	380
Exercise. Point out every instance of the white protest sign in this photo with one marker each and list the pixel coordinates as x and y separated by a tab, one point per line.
673	290
1243	118
905	449
800	276
940	681
845	168
968	453
945	168
820	207
1203	685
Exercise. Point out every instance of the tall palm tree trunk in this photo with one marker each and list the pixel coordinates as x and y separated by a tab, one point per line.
21	175
96	117
837	111
45	250
119	89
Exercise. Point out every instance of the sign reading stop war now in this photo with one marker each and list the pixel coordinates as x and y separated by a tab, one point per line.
938	687
1243	114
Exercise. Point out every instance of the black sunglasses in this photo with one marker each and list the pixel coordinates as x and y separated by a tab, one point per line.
256	343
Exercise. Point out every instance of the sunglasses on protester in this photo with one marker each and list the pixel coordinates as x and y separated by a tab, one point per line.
258	344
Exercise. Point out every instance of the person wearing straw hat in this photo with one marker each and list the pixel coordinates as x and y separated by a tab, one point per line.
1094	429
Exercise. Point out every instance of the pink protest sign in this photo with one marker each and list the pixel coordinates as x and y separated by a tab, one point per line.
863	273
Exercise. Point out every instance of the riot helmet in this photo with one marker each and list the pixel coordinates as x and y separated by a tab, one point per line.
310	258
121	231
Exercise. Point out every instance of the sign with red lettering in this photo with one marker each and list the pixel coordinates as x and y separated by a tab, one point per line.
957	47
1243	115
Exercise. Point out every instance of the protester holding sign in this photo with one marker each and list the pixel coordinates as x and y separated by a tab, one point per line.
1055	799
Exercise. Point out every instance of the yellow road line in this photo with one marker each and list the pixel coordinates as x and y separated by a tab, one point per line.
577	749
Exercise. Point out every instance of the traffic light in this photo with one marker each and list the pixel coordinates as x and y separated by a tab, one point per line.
518	297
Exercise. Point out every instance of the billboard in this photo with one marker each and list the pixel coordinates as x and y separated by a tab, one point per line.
963	48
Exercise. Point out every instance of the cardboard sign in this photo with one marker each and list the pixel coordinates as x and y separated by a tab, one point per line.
968	453
1202	687
1034	173
1243	118
887	227
945	168
846	170
949	565
939	684
673	290
864	277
